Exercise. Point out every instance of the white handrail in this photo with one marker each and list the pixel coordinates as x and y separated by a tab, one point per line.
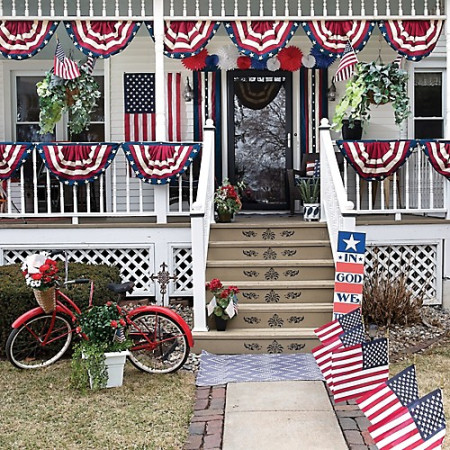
336	209
202	215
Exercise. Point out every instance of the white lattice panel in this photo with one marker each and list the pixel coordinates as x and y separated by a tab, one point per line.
419	261
182	267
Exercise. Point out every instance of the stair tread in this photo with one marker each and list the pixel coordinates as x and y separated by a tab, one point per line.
271	263
286	307
271	225
237	333
279	284
276	243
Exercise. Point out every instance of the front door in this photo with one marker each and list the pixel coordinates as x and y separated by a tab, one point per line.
259	136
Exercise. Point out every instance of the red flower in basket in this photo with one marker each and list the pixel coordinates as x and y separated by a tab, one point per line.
40	272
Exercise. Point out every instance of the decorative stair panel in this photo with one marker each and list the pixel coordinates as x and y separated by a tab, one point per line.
285	272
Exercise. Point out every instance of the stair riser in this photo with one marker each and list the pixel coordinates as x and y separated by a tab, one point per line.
285	273
283	296
269	234
276	321
226	346
250	253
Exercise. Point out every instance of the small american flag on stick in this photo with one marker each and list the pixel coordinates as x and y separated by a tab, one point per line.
420	426
333	329
64	67
346	64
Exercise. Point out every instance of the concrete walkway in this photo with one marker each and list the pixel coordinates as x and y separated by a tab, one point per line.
280	415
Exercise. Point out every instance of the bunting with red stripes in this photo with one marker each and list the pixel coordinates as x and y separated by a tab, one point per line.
185	38
438	153
75	164
21	39
414	39
331	36
376	160
260	39
160	162
12	156
101	38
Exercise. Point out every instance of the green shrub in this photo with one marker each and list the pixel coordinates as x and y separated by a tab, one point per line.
16	297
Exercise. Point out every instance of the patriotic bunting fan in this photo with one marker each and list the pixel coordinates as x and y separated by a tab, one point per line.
439	156
12	156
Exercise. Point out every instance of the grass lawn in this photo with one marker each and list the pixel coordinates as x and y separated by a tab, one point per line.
39	410
432	368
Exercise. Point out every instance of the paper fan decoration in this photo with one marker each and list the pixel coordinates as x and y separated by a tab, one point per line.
322	60
290	58
309	61
244	62
258	65
197	62
273	64
211	61
228	56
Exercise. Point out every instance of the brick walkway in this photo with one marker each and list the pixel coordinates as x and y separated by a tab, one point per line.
206	429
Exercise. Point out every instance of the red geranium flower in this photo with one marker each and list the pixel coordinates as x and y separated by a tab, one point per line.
113	323
122	322
225	293
36	276
108	303
44	267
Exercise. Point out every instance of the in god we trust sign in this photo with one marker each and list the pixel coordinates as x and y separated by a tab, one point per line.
349	279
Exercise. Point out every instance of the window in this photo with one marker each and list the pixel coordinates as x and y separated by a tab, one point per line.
428	105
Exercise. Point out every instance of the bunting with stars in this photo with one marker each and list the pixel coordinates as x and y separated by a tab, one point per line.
22	39
438	153
12	156
260	39
348	285
160	162
75	164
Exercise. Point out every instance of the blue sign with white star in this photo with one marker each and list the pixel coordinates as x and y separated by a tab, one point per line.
351	242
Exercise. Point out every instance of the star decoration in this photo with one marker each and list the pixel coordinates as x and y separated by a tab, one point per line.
351	243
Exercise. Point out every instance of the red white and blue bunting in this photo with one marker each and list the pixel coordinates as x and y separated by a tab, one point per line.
101	39
331	36
185	39
159	162
376	160
21	39
438	153
414	39
75	164
12	156
260	39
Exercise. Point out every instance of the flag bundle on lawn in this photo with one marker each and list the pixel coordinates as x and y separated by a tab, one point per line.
420	425
346	64
390	397
359	369
333	329
64	67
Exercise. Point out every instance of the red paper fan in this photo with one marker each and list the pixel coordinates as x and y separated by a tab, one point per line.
197	62
290	58
244	62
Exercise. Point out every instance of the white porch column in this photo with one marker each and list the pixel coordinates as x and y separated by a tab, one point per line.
161	192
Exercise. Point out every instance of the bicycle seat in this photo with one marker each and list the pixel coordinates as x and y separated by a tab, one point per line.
121	288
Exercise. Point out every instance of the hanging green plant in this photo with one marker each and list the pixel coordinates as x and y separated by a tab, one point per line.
78	97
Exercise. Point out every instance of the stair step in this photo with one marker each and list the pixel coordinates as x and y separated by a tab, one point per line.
256	340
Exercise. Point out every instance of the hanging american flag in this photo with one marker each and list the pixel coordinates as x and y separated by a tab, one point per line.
333	329
89	65
346	64
390	397
421	425
359	369
64	67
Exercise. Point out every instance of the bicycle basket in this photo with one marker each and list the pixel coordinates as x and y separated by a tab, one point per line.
46	299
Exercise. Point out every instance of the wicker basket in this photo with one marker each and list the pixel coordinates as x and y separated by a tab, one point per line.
46	299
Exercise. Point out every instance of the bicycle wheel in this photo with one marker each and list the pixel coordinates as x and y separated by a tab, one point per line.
160	346
25	348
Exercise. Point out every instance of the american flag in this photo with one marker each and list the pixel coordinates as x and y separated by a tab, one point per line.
323	353
346	64
140	117
88	65
420	425
64	67
389	397
335	328
359	369
399	60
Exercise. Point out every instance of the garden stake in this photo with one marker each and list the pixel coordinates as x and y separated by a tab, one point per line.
163	277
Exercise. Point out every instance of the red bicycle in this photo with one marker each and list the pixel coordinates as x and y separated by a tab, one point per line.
162	339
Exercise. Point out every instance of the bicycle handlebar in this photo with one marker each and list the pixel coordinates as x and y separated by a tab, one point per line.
78	281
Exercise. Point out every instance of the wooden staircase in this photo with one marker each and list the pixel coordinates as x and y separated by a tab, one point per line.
285	272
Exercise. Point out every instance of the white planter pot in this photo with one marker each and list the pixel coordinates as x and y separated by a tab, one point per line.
115	363
311	211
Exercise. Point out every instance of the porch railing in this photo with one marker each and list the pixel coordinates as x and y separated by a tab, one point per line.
202	215
220	9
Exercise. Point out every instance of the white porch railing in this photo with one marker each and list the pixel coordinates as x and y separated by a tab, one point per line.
202	215
117	193
220	9
337	210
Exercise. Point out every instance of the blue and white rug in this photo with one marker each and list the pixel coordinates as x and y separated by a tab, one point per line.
222	369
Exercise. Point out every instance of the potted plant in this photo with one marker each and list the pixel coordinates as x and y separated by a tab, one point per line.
224	303
103	351
310	194
227	201
78	97
372	84
41	274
